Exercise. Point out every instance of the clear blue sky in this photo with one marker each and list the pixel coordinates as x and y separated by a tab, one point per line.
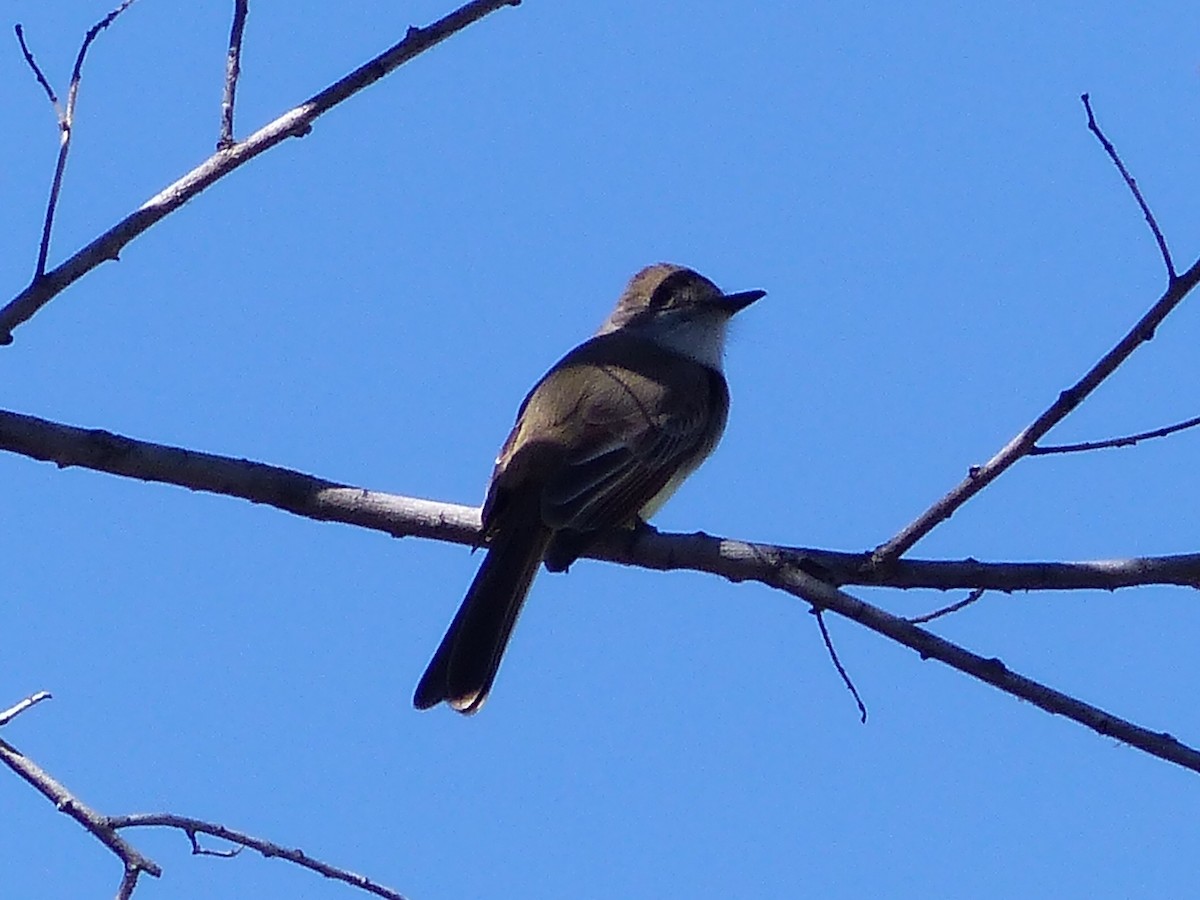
945	247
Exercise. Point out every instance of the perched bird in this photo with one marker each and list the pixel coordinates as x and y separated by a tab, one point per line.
601	442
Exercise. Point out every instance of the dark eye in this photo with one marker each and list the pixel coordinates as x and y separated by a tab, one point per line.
671	288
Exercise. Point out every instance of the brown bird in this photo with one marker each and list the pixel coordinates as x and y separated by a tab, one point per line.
601	442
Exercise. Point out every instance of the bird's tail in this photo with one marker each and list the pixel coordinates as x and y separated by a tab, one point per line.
465	664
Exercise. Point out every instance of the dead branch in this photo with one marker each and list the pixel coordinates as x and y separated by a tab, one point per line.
979	477
37	70
296	122
13	711
105	828
233	69
971	598
1126	441
331	501
1131	183
819	614
65	802
784	568
993	671
269	849
66	120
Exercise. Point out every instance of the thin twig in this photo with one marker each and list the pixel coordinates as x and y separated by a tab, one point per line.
1126	441
105	828
294	123
268	849
233	68
947	610
198	850
980	477
37	71
66	120
837	662
993	671
13	711
1132	183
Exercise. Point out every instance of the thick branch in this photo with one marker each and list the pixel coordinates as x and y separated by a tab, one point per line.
330	501
295	123
784	568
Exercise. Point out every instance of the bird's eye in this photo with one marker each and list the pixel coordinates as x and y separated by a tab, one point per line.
671	288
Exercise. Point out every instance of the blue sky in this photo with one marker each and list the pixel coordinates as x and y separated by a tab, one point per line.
945	248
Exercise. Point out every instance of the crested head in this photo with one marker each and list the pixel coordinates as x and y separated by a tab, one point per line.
657	289
678	309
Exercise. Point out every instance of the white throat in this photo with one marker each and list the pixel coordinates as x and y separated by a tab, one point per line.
698	338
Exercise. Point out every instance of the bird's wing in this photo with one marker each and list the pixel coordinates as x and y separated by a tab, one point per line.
633	444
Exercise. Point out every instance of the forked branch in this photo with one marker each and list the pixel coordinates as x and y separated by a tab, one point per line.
294	123
66	121
788	569
979	477
104	828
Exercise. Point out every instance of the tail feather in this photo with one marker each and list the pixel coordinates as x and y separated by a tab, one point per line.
465	664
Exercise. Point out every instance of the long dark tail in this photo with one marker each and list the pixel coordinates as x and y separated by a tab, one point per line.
465	664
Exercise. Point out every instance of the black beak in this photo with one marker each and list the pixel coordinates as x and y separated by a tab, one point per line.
735	303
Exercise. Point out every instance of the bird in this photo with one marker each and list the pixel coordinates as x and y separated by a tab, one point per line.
602	440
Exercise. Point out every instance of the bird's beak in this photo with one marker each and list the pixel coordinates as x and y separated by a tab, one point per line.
734	303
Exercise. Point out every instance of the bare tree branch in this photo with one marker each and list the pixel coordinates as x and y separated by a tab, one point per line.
128	883
819	613
331	501
105	828
1127	441
799	583
233	68
12	712
37	71
66	119
294	492
784	568
947	610
294	123
1132	185
66	802
980	477
269	849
